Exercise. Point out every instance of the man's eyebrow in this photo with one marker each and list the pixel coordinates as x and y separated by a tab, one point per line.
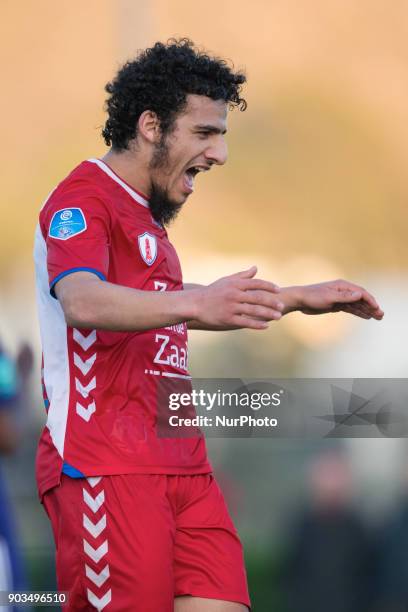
211	129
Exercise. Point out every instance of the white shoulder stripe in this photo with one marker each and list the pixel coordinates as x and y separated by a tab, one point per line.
138	198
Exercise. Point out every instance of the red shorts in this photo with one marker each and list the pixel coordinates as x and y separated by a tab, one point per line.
134	542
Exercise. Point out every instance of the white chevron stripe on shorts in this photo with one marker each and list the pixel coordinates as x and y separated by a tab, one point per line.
93	480
96	554
93	529
99	602
100	578
94	503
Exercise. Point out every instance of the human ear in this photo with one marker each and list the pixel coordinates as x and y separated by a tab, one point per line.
148	126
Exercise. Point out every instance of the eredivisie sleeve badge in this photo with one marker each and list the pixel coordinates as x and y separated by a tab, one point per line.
66	223
148	247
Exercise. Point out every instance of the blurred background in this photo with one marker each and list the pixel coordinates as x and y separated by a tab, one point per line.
314	190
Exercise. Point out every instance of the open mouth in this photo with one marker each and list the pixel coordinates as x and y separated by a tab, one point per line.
190	175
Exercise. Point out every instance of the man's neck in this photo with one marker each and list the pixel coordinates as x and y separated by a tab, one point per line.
131	168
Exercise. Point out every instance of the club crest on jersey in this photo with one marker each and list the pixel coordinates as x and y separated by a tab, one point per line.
66	223
148	247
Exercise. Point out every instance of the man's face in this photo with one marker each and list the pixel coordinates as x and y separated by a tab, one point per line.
196	142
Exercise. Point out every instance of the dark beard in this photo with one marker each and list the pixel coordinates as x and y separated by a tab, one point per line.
163	210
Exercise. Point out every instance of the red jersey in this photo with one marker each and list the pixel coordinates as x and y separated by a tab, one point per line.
100	387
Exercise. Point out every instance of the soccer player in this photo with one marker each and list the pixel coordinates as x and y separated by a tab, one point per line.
138	519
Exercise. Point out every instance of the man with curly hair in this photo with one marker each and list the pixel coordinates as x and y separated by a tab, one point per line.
139	522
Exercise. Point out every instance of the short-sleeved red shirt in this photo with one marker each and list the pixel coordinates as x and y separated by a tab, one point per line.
100	386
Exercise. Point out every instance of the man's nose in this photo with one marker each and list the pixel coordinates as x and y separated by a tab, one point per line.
217	154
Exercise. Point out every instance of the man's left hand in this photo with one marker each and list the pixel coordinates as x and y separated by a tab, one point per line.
332	296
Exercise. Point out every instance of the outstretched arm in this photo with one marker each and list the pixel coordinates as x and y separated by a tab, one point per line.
89	302
321	298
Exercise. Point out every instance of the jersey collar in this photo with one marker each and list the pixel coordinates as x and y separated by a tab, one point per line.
105	168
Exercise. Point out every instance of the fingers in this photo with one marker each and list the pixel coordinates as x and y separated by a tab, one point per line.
362	310
246	322
371	306
348	293
356	293
261	312
369	299
251	284
355	311
240	300
366	308
247	281
373	314
376	313
259	305
264	298
250	273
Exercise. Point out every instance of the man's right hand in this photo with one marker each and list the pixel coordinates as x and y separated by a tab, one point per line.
238	301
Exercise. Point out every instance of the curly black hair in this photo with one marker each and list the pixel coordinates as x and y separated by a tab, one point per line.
159	79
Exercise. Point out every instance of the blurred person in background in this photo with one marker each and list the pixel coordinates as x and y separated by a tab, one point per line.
392	559
330	564
13	378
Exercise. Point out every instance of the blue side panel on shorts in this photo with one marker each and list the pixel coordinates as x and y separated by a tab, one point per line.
71	471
